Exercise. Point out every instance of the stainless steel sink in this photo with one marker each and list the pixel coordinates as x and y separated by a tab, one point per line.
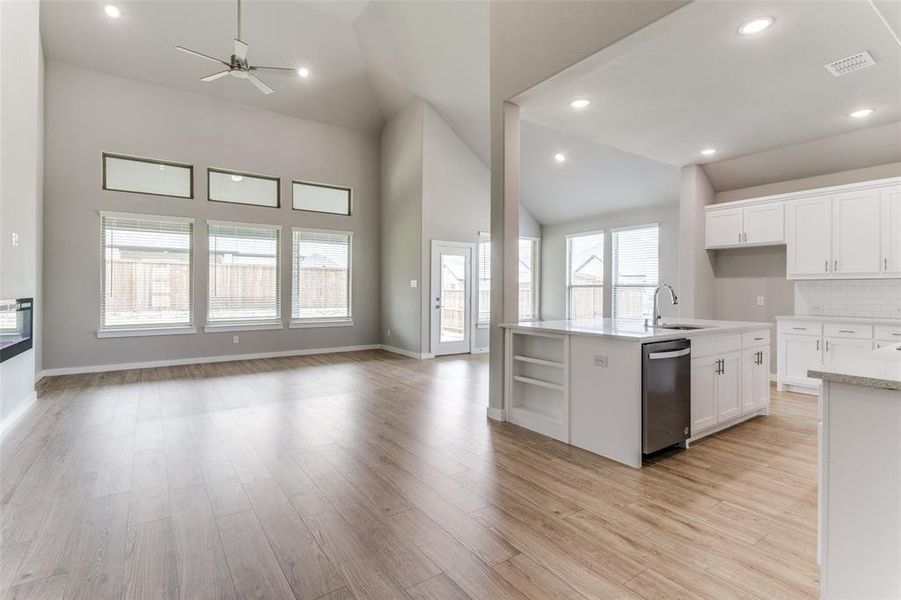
678	327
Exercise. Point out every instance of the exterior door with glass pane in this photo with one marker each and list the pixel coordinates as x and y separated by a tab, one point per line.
451	298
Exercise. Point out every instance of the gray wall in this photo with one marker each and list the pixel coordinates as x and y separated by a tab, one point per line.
88	113
528	226
553	255
21	161
696	277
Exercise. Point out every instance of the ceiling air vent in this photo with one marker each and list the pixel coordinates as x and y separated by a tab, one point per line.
856	62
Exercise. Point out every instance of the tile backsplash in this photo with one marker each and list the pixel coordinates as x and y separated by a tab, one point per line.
880	298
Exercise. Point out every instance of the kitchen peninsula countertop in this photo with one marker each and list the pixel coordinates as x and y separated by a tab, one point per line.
879	368
634	329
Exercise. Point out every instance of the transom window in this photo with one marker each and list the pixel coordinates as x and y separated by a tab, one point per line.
635	271
317	197
321	276
585	276
147	176
242	188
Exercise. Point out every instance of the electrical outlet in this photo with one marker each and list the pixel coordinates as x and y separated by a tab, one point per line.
760	301
600	361
234	339
15	240
414	283
389	332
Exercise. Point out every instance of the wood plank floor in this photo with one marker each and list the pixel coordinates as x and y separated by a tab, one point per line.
368	475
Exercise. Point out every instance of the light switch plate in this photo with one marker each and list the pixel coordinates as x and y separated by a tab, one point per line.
15	240
414	283
760	301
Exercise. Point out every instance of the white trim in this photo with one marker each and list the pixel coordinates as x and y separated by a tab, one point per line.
298	324
483	325
145	216
244	326
216	223
17	414
496	414
146	331
407	353
317	230
482	350
203	360
833	189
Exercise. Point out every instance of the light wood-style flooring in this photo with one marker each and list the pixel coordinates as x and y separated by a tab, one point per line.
369	475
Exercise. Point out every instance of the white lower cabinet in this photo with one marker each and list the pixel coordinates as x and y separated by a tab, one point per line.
799	353
838	348
755	379
704	372
728	387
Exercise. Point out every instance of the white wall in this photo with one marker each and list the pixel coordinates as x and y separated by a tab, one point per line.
553	255
89	112
21	162
696	278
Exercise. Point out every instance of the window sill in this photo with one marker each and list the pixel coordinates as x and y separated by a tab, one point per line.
483	325
312	324
243	326
146	331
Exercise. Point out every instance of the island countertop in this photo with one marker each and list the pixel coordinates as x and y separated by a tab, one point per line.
879	368
634	329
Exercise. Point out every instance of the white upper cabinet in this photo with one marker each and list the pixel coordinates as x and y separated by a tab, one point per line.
809	237
855	234
764	224
724	228
891	230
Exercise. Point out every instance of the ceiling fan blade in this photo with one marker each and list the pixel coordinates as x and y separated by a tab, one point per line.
260	85
277	70
216	76
240	50
201	55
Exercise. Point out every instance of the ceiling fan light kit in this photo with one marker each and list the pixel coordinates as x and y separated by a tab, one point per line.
237	66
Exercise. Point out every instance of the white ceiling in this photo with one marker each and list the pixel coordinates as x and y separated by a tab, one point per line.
594	179
689	81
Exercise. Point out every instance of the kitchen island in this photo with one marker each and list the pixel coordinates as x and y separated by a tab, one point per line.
859	487
580	381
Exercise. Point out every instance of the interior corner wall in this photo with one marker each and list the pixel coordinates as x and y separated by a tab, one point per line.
21	159
401	224
528	226
697	298
87	113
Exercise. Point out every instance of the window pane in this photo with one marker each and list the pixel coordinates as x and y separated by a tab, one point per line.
453	298
241	188
528	289
146	176
635	271
147	272
321	275
585	277
244	273
484	279
320	198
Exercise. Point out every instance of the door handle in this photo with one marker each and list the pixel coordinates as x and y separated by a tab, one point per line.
671	354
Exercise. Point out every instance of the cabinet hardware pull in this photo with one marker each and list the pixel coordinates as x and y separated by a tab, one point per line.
885	263
799	328
827	266
746	236
827	345
897	334
836	266
846	331
818	345
758	339
739	237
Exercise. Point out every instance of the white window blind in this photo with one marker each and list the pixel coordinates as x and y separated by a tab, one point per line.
321	277
528	279
244	281
484	276
147	272
635	271
585	276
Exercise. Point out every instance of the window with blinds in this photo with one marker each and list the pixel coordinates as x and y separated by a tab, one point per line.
585	276
321	277
635	271
147	271
528	279
484	279
244	281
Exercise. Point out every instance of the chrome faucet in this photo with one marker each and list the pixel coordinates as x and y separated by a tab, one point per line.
655	318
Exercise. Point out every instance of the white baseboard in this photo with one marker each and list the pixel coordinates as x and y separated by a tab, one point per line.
17	414
201	360
496	413
407	353
479	351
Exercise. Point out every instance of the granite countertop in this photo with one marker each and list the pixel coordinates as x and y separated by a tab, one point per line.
634	329
877	368
834	319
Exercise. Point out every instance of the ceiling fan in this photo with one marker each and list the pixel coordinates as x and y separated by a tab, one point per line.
237	66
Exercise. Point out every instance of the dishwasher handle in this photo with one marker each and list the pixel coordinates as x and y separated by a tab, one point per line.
671	354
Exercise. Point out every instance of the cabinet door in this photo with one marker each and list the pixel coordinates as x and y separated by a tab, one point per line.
703	393
749	370
728	387
798	354
838	348
724	227
807	237
855	233
764	224
891	231
762	379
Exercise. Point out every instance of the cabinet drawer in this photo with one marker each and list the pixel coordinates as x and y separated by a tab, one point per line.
887	332
848	330
707	346
752	339
801	327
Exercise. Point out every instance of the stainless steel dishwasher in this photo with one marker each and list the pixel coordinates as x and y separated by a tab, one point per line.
665	394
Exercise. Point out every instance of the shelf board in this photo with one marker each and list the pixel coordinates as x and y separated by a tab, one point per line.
539	382
538	361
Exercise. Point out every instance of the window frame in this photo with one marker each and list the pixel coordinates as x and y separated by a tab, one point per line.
104	331
484	237
348	189
144	159
536	277
613	264
301	323
277	180
568	283
246	324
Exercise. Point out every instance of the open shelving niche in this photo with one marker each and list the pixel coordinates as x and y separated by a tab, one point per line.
538	382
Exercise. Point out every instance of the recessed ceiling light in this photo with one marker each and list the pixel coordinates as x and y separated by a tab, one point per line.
236	178
708	151
756	25
559	157
861	113
303	72
580	103
112	11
